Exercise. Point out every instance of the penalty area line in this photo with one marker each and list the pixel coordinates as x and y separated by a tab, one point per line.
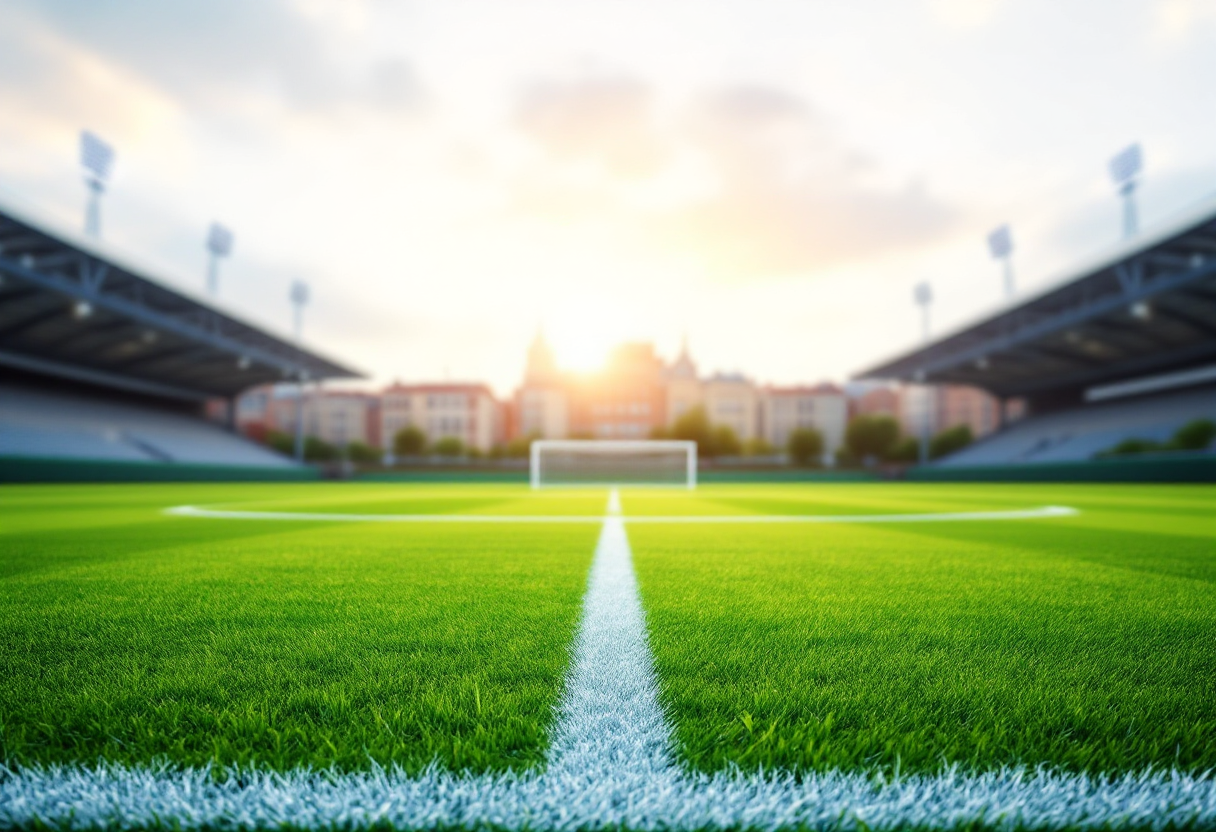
614	507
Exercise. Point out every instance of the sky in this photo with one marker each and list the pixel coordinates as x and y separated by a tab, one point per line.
768	179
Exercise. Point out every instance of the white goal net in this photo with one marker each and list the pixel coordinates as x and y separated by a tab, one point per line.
567	462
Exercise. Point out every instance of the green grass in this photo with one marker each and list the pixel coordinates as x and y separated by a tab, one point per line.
129	636
1087	643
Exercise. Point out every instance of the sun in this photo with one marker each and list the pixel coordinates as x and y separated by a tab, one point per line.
582	345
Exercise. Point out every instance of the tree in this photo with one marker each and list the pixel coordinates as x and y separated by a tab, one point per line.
724	442
693	426
318	450
1130	447
758	446
521	446
1194	436
449	446
950	440
845	458
805	446
905	450
409	441
284	443
315	450
362	453
871	437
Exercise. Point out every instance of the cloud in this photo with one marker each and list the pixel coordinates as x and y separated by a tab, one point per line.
750	180
792	196
606	120
200	53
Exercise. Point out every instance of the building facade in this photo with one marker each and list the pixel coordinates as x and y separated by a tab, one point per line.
467	412
337	417
542	403
683	386
627	400
732	399
824	407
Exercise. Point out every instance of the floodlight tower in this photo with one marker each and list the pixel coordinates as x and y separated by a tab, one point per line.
1125	170
299	299
96	157
219	244
1000	245
923	295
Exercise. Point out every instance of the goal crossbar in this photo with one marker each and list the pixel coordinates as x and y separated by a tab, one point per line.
622	449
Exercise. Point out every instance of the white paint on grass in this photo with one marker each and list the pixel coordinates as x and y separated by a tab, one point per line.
117	797
336	517
611	765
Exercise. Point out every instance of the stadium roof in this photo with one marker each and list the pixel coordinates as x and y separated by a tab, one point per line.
1146	306
71	307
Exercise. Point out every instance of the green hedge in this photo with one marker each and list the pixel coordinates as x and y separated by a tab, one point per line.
47	469
1175	467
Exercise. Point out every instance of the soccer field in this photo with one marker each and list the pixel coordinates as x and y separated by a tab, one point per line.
455	647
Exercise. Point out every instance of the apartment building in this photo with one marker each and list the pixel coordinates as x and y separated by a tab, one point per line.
338	417
732	399
824	408
467	412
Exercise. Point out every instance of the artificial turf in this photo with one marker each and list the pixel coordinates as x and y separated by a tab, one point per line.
130	636
1086	643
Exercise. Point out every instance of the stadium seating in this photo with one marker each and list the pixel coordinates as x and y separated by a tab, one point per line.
1080	433
50	423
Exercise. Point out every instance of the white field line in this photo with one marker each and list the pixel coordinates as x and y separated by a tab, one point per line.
610	765
945	517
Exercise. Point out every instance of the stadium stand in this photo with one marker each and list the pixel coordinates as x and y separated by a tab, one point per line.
1081	433
102	364
1124	347
58	423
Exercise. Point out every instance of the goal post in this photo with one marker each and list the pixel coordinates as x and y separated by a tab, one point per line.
574	462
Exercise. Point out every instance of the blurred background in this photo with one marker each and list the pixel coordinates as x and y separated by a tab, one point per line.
489	221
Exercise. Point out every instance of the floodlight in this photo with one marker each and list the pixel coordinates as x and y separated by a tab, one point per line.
1000	242
1126	165
1125	169
96	156
81	310
219	240
219	243
299	297
923	294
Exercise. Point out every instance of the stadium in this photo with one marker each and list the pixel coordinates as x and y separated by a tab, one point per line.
244	588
